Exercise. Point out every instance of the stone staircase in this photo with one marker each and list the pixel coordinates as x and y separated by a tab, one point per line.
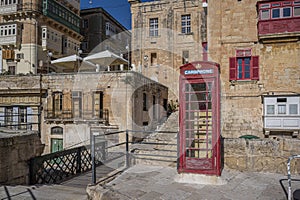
160	147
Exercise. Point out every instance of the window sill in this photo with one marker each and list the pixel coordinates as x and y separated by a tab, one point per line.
191	33
154	37
240	82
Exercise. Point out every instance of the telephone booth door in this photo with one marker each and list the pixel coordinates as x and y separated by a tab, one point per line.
199	119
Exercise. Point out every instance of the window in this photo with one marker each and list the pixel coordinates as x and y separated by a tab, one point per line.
57	130
165	104
153	24
153	59
282	105
278	10
293	109
297	11
244	66
145	102
8	30
110	29
270	109
281	109
185	57
186	24
154	106
204	50
57	103
23	115
17	117
12	70
98	104
77	104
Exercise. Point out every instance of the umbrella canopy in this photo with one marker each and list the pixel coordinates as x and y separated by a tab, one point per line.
105	58
72	58
68	63
87	66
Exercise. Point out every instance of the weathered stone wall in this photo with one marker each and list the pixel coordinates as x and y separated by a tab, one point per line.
123	97
232	25
261	155
170	42
16	149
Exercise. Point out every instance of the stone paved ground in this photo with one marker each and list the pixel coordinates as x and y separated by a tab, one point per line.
144	182
155	182
73	189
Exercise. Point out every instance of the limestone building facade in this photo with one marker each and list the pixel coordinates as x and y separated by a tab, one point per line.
101	31
256	44
65	108
165	35
32	32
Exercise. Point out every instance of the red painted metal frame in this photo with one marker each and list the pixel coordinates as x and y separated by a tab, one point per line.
214	76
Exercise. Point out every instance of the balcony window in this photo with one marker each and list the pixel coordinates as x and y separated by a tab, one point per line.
281	109
297	11
16	117
270	109
110	29
293	109
8	30
281	113
279	10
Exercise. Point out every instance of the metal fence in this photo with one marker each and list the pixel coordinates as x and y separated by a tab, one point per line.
59	166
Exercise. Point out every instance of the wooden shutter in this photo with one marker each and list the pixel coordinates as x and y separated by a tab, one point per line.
255	68
232	68
67	103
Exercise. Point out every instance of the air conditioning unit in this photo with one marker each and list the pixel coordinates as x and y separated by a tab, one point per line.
19	56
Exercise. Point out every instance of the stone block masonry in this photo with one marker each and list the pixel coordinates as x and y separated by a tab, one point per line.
261	155
16	149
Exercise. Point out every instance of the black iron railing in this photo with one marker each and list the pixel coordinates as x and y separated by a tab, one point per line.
67	115
59	166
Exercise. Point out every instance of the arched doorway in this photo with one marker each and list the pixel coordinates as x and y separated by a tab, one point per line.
56	139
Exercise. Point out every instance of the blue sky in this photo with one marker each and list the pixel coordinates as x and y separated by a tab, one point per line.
119	9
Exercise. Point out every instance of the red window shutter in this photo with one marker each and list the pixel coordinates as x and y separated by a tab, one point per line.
255	68
232	68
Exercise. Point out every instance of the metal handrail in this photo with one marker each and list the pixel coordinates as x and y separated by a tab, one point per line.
289	175
127	151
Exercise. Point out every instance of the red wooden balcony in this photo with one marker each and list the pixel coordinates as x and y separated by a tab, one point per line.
279	26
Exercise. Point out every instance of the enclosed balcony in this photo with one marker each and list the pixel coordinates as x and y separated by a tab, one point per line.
5	9
61	14
279	20
10	34
12	9
282	114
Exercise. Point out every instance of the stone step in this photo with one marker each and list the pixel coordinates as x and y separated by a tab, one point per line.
158	148
149	159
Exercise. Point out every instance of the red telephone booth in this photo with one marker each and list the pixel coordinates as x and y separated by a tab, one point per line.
199	119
